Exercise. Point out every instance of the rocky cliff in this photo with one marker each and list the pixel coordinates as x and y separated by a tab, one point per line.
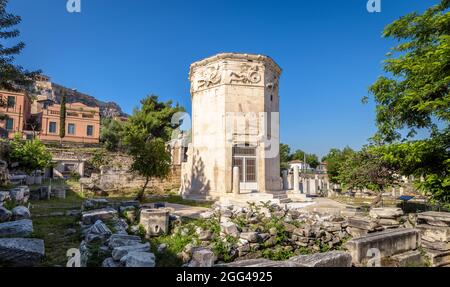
107	109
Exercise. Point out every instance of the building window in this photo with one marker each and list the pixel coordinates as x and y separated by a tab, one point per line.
52	128
90	130
9	124
71	129
11	101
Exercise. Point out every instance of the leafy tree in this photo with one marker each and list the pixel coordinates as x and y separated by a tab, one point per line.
334	159
427	160
298	155
99	158
13	77
312	160
111	134
34	125
152	160
29	155
145	134
367	169
414	94
62	118
285	156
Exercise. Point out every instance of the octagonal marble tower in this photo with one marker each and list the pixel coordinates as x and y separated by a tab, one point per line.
235	122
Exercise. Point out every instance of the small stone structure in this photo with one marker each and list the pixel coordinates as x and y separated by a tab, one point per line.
155	221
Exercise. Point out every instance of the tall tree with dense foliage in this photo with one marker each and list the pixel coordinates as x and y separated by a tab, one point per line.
367	169
111	134
29	155
62	117
414	94
335	159
13	77
145	134
285	156
311	159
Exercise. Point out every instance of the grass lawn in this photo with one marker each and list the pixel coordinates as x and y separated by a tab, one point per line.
53	229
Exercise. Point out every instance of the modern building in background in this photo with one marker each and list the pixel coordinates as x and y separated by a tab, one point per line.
15	113
41	118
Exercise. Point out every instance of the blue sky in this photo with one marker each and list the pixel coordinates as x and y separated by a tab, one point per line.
330	51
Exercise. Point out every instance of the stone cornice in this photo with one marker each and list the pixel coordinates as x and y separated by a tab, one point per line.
235	56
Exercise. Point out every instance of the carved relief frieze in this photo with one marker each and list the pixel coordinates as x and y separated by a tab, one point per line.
248	74
208	77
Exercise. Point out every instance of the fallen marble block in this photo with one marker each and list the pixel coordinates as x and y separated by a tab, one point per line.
90	217
119	252
436	245
16	229
386	212
388	243
117	240
362	223
434	233
411	258
139	259
328	259
92	204
21	252
20	212
438	258
434	218
5	214
202	257
111	263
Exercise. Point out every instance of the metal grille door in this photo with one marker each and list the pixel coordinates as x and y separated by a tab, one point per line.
245	159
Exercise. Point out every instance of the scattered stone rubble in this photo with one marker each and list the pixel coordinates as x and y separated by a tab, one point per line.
434	229
16	228
385	229
106	241
258	230
291	236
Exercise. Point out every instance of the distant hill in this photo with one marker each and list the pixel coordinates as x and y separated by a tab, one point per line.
107	109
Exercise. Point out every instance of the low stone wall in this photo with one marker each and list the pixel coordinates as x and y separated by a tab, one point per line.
121	178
